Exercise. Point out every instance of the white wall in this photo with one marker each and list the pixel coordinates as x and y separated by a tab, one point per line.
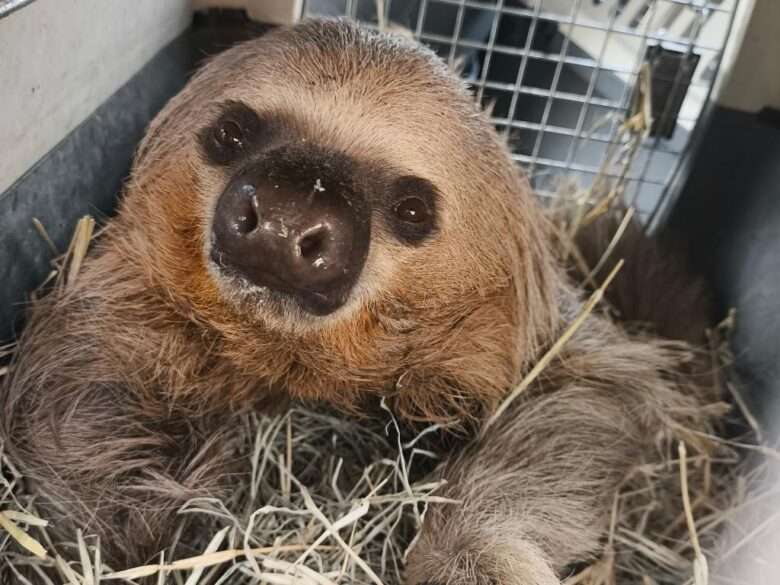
268	11
60	59
753	61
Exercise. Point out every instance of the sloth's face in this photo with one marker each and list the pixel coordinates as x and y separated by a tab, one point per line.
324	178
332	203
296	218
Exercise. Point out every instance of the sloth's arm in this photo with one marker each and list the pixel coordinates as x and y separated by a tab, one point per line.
537	488
102	456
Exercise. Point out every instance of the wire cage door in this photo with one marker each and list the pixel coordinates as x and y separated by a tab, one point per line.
560	78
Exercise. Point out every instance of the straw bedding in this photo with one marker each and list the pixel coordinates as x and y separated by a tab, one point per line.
325	500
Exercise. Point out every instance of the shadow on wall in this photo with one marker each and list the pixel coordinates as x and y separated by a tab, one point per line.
729	211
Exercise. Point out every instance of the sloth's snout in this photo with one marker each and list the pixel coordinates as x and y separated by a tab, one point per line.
302	233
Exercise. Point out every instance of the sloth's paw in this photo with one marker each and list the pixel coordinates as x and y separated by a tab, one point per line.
482	559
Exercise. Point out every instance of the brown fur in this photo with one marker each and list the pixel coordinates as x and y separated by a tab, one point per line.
655	289
537	489
119	403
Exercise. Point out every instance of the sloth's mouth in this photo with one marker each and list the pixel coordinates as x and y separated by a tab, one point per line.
278	294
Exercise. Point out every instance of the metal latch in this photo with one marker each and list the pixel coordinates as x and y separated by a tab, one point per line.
671	73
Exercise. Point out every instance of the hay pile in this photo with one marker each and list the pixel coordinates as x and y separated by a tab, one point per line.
331	501
328	501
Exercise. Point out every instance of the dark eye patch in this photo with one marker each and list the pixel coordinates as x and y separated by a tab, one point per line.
411	209
237	132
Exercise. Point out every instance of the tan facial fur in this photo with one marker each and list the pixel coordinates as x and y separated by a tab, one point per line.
453	319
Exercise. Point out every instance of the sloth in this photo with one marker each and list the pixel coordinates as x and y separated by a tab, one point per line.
325	215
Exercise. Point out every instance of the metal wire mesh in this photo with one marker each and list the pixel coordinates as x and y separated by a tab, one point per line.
559	74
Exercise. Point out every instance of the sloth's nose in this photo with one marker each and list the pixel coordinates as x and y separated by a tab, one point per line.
303	237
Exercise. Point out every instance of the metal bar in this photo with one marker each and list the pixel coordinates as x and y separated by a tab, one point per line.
421	17
569	60
584	23
9	6
640	56
563	95
628	88
518	52
650	15
524	61
556	79
713	6
585	108
579	168
489	52
604	138
388	6
674	181
456	33
668	107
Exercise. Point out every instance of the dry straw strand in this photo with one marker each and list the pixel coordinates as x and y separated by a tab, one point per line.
700	569
21	536
545	360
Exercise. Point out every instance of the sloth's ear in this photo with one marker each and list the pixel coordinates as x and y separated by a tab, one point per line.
154	138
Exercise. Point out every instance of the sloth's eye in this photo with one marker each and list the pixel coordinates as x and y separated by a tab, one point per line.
237	131
412	210
230	135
